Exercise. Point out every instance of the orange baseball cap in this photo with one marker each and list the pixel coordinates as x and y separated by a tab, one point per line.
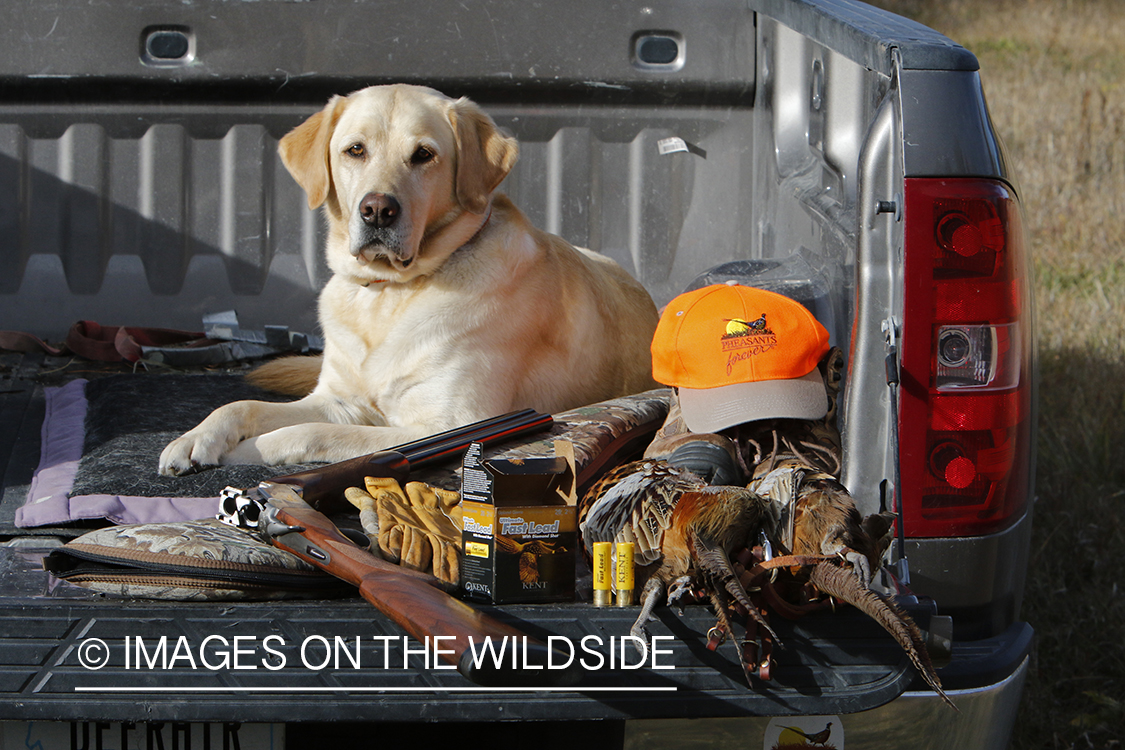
738	354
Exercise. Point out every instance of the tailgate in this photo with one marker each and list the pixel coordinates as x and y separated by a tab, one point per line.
343	659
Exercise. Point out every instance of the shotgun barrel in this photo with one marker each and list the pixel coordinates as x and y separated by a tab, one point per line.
323	487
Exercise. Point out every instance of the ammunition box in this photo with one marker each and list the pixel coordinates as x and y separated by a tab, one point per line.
520	534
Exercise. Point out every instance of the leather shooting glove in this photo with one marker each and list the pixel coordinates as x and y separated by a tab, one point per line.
415	527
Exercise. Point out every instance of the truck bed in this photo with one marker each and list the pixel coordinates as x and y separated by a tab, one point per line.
831	663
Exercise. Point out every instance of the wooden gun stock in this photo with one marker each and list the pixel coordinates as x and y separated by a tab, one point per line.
411	599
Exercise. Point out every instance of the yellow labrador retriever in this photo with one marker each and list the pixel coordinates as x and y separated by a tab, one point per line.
445	305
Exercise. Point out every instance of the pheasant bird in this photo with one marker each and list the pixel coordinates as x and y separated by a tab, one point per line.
790	468
740	327
817	738
795	464
683	531
820	519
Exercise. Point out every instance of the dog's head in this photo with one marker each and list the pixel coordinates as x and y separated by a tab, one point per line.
406	175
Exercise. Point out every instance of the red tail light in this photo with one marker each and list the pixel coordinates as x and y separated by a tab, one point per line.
965	409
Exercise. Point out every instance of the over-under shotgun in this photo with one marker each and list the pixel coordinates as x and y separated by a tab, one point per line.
289	512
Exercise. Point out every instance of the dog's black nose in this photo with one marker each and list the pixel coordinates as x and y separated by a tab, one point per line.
379	210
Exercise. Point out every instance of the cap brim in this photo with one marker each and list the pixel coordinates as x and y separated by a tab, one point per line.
714	409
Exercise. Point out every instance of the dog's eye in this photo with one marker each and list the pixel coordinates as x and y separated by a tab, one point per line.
357	150
421	155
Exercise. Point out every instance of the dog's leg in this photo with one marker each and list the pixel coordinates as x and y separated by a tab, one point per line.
320	442
217	435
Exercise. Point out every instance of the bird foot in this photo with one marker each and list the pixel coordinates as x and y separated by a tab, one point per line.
640	633
860	566
679	590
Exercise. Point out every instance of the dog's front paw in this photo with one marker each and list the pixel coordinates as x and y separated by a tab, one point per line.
192	451
206	445
213	438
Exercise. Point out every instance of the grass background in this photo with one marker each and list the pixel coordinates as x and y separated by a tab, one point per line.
1054	77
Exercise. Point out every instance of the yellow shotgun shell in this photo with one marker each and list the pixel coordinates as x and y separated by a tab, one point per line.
624	574
603	597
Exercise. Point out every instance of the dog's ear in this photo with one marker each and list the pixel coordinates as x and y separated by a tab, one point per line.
304	151
484	154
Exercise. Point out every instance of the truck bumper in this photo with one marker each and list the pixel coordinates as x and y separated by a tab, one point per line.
985	679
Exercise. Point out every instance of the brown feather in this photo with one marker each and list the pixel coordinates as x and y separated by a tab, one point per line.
839	582
716	574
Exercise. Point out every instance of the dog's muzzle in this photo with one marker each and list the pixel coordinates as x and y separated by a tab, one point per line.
378	236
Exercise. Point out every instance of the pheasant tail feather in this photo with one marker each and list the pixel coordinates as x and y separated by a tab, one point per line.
842	583
713	563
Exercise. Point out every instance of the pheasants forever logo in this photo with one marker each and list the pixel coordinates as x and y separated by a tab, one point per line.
752	335
803	732
745	339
